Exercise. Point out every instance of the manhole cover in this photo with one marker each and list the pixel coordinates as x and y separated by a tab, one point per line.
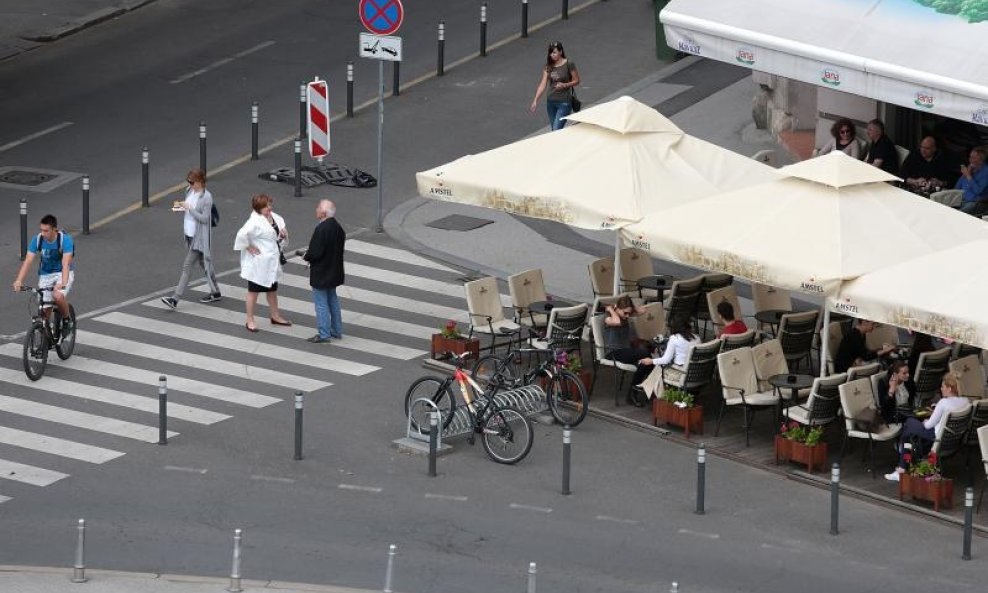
458	222
28	178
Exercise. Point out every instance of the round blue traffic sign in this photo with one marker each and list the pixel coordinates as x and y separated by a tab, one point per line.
381	17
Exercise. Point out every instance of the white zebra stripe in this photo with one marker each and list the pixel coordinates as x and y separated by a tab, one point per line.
121	428
411	281
28	474
4	499
393	254
112	397
197	361
252	347
56	446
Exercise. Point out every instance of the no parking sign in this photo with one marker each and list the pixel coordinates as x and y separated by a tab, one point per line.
381	17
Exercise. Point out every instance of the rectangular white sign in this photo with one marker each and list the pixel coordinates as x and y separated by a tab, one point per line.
380	47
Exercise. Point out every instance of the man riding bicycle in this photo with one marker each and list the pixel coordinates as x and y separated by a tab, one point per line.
56	268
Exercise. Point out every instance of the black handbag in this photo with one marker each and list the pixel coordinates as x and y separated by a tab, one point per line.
575	104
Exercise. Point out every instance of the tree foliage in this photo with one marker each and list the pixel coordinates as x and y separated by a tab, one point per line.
973	11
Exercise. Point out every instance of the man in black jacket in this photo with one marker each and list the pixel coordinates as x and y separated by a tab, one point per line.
853	351
325	257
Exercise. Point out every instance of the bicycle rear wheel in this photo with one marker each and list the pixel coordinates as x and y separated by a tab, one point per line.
508	435
492	371
35	351
437	391
66	345
567	398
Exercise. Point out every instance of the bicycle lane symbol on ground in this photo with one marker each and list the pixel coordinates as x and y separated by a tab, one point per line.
381	17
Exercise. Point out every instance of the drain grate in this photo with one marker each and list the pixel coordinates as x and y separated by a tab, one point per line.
21	178
458	222
28	178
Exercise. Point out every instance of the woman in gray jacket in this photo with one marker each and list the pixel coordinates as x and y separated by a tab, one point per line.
197	225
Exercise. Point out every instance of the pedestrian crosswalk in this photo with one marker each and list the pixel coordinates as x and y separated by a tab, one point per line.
101	404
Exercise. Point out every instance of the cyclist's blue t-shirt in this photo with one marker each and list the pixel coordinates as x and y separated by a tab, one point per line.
51	263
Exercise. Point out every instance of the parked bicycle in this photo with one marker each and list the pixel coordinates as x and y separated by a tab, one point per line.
46	333
506	433
565	392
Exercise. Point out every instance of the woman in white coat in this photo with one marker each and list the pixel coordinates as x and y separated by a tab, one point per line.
259	242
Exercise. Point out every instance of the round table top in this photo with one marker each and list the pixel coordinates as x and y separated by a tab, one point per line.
656	281
546	306
771	315
791	380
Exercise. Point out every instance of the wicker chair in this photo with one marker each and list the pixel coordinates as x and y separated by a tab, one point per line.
855	396
796	331
929	372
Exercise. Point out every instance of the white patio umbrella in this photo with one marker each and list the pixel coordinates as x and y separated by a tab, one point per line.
943	294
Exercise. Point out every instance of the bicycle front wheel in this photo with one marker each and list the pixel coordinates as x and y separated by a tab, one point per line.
66	345
435	390
567	398
508	436
35	351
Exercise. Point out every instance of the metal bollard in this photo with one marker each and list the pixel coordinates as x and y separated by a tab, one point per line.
389	571
235	577
396	78
674	588
567	444
202	146
968	521
145	177
433	441
531	577
483	29
299	398
303	132
23	228
565	9
441	45
524	18
79	568
253	131
834	497
349	89
162	410
701	477
298	168
85	204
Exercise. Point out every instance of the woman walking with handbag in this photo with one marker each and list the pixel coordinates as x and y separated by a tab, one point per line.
560	76
259	242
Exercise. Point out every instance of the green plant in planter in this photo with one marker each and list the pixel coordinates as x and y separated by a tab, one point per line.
678	397
450	331
796	432
568	362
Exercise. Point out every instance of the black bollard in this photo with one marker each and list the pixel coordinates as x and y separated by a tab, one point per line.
440	46
299	398
483	29
202	146
303	132
567	444
145	177
85	204
968	521
298	168
23	228
701	478
433	441
565	9
396	78
162	410
253	131
524	18
349	89
834	497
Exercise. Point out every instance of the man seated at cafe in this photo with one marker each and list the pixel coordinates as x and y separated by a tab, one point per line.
881	150
974	182
731	325
853	349
928	168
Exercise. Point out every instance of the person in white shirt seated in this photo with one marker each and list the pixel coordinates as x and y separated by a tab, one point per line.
673	360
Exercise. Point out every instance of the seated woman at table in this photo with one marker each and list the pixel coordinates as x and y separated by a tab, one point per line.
843	139
924	433
896	394
731	325
620	341
673	360
853	350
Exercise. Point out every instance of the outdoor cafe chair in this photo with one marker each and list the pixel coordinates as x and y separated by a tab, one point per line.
682	298
714	298
487	313
868	369
636	263
952	432
564	330
651	323
970	375
770	298
959	350
734	341
526	288
952	198
983	443
706	312
855	396
698	370
739	387
835	333
823	405
770	361
601	357
928	374
979	418
881	335
796	331
602	276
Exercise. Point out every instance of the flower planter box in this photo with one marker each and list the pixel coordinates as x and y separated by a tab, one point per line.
689	419
938	492
454	345
810	455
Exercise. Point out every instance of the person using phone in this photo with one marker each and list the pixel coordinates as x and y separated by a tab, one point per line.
896	394
974	182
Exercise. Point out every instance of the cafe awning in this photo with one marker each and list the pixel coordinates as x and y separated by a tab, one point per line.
903	52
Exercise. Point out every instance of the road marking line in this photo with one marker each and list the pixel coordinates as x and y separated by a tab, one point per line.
442	287
56	446
616	520
195	361
35	135
699	534
280	354
394	254
272	479
359	488
28	474
188	470
4	499
222	62
446	497
121	428
525	507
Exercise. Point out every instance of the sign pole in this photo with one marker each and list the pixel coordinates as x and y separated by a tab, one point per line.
380	146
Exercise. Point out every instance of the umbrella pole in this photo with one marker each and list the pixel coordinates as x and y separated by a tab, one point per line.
824	339
617	262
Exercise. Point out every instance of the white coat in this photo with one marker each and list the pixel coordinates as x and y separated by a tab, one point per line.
262	269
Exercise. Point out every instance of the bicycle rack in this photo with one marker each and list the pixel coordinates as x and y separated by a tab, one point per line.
416	433
529	400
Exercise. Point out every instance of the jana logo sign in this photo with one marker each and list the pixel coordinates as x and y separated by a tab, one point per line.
980	116
745	55
689	46
830	77
924	98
